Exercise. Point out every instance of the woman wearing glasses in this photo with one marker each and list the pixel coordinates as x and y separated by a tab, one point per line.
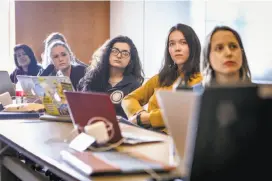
118	73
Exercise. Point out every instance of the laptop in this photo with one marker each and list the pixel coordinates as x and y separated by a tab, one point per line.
87	107
6	84
178	109
49	89
233	134
228	132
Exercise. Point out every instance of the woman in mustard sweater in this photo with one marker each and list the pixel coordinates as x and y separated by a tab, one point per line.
181	60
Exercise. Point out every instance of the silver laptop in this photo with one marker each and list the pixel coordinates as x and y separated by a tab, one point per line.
178	110
50	90
6	84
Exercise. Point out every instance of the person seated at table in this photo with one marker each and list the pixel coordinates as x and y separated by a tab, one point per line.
224	58
50	38
117	73
181	61
25	61
60	55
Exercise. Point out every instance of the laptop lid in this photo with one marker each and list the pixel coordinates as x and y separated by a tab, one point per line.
178	109
50	90
86	108
230	132
6	84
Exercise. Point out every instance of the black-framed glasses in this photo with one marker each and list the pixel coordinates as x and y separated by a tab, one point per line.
124	53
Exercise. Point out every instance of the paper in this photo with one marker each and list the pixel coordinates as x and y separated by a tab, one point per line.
81	142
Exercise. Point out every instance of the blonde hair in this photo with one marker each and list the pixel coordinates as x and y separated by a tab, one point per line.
55	36
205	65
48	60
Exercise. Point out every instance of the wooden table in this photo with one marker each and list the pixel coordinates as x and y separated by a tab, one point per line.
42	142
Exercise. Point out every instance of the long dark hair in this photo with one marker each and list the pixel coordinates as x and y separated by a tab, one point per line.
97	78
32	67
169	72
206	68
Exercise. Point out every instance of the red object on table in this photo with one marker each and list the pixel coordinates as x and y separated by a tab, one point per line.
19	93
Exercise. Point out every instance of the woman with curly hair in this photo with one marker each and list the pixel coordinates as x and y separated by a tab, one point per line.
118	72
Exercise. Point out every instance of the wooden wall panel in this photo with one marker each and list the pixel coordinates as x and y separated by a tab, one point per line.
85	24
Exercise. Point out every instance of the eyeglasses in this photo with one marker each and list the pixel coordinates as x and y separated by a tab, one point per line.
124	53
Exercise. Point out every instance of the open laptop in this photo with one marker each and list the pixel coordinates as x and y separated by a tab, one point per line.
178	109
227	134
85	107
49	89
233	134
6	84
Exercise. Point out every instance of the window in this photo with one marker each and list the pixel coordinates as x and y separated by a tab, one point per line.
251	20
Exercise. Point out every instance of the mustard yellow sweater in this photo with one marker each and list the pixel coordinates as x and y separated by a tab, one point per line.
134	101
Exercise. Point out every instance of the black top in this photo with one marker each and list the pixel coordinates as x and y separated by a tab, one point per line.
81	63
77	72
120	90
18	71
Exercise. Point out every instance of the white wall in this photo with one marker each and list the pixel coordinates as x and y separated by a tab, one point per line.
159	18
126	18
147	23
7	35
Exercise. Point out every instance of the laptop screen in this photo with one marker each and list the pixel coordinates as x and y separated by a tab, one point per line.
86	108
50	90
228	133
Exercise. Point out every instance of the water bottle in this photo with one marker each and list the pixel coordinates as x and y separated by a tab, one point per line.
19	94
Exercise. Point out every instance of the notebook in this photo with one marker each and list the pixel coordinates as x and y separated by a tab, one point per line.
50	90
